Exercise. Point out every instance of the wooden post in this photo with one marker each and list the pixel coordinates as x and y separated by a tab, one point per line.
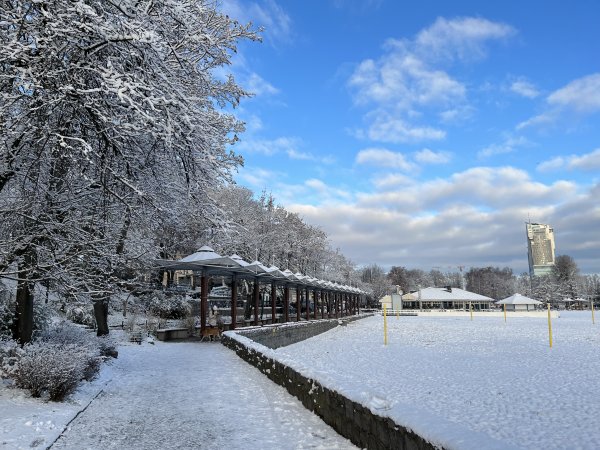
549	326
322	296
233	301
316	303
203	301
273	302
298	302
307	304
384	324
505	313
592	303
286	303
256	299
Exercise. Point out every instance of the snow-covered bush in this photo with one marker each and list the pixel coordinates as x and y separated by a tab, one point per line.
168	307
53	368
42	316
59	359
80	313
10	351
7	316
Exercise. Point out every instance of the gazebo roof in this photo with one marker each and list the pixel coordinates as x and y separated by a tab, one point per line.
518	299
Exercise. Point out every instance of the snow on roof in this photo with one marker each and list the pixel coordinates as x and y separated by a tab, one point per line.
518	299
452	294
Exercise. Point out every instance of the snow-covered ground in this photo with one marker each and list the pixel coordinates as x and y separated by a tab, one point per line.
468	384
187	395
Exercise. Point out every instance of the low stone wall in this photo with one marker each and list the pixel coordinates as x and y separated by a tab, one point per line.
275	336
350	419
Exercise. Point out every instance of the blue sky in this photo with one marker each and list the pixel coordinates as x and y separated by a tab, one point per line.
427	135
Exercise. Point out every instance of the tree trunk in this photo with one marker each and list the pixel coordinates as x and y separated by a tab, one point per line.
101	316
23	326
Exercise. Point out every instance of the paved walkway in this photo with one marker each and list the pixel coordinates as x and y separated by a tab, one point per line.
194	395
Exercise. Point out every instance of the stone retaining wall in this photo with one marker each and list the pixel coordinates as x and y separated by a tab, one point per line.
350	419
275	336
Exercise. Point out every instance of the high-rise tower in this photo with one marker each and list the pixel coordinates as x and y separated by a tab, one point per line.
540	248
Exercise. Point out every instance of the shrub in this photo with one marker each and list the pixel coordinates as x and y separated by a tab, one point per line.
66	334
80	313
168	307
61	357
10	352
52	368
7	316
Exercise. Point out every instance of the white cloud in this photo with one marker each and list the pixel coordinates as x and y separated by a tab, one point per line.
326	192
383	158
391	180
541	119
586	162
508	146
407	79
386	128
589	161
462	38
552	164
428	156
306	156
258	86
581	95
267	146
402	79
266	14
524	88
257	177
490	187
473	218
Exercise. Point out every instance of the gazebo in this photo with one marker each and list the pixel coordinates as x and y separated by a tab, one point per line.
518	302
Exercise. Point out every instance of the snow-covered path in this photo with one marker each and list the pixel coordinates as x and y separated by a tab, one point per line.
194	395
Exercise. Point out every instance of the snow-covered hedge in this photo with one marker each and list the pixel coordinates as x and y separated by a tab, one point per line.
52	368
56	362
10	352
7	316
168	307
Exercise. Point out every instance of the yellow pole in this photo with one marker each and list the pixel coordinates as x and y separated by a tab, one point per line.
593	322
549	326
505	313
384	324
471	309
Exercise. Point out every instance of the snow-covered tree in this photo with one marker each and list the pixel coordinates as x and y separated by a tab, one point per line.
113	122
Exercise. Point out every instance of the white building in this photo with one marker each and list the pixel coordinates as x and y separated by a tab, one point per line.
445	298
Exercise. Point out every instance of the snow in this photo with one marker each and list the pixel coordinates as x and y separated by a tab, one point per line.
168	395
467	384
459	383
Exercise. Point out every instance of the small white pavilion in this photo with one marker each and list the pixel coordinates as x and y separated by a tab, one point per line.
518	302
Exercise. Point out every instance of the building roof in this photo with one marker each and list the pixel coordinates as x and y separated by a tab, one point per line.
518	299
447	295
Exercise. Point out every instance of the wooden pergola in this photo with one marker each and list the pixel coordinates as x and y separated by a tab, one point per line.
329	299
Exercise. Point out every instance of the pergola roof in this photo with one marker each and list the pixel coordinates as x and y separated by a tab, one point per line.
206	259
